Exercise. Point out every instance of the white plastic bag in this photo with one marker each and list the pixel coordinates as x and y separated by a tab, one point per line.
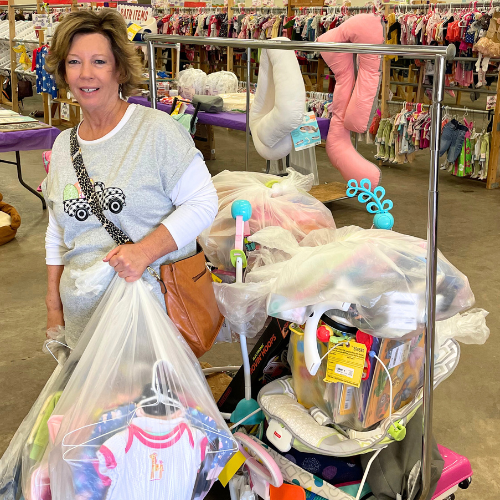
378	275
304	161
192	82
276	201
244	305
94	280
221	82
136	419
469	327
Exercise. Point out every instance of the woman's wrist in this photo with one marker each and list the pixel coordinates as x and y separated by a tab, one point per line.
54	304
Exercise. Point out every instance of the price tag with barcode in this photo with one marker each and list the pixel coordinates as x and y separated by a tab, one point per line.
346	363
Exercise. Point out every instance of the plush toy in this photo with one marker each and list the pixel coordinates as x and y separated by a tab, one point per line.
279	103
351	109
10	220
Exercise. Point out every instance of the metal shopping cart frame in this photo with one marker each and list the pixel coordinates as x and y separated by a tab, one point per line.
440	55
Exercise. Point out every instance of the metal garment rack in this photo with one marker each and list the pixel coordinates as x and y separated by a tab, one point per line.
440	54
446	108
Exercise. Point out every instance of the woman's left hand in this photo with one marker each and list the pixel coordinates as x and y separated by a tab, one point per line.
130	261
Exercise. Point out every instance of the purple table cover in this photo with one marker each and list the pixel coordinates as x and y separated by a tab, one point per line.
235	121
27	140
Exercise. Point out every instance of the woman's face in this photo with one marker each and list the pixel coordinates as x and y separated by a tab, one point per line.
91	72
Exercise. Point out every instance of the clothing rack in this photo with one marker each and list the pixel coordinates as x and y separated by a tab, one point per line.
493	178
446	108
440	55
459	89
263	10
319	95
310	10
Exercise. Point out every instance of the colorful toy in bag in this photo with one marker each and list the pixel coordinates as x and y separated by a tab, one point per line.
275	201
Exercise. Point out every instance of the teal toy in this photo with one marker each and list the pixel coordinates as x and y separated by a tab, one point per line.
241	208
247	411
382	219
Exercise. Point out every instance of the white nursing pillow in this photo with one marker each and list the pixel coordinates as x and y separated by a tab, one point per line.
279	103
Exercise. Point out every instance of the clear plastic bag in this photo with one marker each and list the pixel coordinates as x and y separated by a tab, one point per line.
360	408
235	102
192	82
222	82
283	202
469	327
94	280
20	465
305	162
243	306
378	276
136	419
23	442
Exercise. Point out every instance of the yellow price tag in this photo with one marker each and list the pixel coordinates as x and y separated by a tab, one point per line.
231	468
346	363
215	279
132	30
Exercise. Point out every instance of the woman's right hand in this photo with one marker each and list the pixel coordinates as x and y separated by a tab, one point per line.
55	318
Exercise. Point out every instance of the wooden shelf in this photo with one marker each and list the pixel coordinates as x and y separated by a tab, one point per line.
66	101
327	193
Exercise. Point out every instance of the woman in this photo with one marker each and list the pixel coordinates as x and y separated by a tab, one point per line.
165	192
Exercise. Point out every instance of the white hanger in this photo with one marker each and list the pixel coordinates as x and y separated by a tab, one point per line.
160	398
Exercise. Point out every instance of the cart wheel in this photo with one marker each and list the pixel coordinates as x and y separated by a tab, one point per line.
465	483
451	497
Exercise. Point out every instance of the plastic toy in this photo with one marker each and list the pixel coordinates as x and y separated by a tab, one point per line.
247	409
383	219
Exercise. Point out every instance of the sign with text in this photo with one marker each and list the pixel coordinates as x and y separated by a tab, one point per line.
135	13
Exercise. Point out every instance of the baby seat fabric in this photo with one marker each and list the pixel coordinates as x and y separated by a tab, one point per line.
351	109
279	103
310	430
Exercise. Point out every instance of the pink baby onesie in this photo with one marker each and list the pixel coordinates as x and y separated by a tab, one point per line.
153	459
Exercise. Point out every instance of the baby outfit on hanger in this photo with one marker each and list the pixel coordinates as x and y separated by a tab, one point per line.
45	82
153	459
452	139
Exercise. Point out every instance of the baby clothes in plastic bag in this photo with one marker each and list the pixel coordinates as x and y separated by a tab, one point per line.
136	419
222	82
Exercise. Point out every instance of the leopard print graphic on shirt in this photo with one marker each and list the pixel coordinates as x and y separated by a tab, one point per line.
88	190
119	237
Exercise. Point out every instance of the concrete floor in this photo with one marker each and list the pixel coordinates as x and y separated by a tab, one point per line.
467	406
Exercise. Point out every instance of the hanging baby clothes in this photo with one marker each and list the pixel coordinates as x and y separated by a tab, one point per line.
463	164
141	460
45	82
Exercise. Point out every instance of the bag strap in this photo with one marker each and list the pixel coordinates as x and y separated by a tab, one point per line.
88	189
119	237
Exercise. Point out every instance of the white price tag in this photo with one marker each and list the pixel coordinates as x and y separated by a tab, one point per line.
64	111
348	397
344	370
399	355
402	311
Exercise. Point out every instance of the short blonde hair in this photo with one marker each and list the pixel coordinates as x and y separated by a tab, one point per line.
108	23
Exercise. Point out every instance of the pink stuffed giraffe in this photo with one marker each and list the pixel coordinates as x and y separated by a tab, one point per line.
351	109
